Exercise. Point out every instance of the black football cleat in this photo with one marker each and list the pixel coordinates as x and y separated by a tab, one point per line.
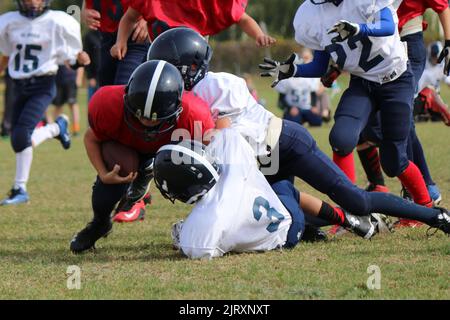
441	221
360	225
86	238
313	234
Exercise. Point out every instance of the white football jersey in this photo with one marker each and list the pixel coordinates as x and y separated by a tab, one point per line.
37	46
241	213
432	77
298	91
377	59
227	96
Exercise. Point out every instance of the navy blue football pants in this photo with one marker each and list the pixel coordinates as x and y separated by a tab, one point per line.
117	72
299	156
32	97
417	55
393	101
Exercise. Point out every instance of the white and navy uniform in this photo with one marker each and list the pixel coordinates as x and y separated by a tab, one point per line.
241	213
381	59
35	48
297	91
381	76
228	96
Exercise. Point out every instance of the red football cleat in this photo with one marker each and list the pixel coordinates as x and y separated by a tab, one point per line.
407	223
136	213
377	188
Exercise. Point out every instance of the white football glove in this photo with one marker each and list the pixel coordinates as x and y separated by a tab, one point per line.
280	70
345	30
176	230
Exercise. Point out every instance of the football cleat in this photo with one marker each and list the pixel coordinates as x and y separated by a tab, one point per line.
377	188
64	136
441	221
360	225
313	234
137	211
383	223
176	230
86	238
407	223
435	194
15	196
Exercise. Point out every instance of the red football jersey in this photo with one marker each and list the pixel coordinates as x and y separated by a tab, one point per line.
409	9
106	119
111	11
207	17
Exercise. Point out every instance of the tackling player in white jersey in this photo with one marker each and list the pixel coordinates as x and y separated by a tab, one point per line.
36	40
230	100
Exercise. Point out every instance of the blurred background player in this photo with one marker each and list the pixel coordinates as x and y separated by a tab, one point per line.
429	103
67	83
105	17
208	17
36	40
299	96
92	45
141	115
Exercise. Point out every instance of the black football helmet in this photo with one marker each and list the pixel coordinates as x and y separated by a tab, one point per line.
184	171
335	2
187	50
153	93
32	11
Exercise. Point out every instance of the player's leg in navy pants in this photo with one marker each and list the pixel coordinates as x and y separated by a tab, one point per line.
107	65
136	55
300	156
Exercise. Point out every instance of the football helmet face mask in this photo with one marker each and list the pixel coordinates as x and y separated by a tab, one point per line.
184	171
32	9
187	50
152	99
335	2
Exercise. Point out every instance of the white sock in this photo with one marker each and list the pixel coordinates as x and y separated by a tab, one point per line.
23	167
46	132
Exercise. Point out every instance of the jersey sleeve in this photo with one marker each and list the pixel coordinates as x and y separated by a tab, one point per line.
103	121
5	46
305	33
437	5
69	42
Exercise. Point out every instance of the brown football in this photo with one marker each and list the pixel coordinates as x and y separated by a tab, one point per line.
116	153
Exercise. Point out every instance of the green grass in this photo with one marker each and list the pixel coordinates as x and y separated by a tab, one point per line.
136	261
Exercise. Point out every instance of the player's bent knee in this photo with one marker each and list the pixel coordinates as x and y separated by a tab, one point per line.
20	139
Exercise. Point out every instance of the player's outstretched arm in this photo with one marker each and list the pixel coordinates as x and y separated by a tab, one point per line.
383	27
253	30
126	26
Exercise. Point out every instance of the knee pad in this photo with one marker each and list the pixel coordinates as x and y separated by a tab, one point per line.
20	139
341	142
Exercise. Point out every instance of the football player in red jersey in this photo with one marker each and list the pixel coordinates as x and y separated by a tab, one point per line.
208	17
105	17
147	113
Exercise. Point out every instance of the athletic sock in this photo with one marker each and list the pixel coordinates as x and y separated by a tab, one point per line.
346	164
44	133
370	161
331	214
413	181
23	167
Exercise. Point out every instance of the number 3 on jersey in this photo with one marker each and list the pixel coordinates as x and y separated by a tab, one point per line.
261	206
26	55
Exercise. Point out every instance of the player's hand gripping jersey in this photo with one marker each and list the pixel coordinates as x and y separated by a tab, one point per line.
377	59
241	212
37	46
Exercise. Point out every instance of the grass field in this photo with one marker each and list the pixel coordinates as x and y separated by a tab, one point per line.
137	262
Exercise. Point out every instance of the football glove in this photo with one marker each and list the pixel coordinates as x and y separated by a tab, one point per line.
332	74
279	70
445	54
345	30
